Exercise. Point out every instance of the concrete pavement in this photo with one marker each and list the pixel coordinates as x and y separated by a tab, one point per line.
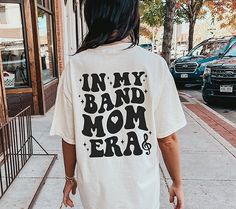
208	166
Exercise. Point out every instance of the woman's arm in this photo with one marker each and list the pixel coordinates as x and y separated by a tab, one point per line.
171	154
69	155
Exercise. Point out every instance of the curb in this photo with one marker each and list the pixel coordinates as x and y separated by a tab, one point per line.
222	141
208	108
220	124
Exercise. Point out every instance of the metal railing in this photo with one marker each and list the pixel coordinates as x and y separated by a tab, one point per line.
16	148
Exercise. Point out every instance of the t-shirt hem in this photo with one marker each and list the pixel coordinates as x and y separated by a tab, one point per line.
173	130
66	139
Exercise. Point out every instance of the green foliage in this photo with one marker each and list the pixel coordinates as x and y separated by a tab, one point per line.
152	12
190	9
181	16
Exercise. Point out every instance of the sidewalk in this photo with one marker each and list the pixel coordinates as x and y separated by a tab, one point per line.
208	164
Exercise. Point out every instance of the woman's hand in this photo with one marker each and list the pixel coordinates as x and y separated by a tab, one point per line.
70	187
171	154
69	155
177	191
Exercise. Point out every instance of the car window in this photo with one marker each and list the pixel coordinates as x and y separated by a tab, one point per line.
231	52
209	49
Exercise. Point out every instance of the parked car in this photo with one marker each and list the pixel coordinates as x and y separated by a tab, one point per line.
219	79
189	69
146	46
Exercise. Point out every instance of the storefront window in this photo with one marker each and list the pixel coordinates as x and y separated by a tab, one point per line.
12	46
46	39
45	3
40	2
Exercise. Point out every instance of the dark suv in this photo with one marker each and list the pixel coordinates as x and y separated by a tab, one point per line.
146	46
190	68
219	79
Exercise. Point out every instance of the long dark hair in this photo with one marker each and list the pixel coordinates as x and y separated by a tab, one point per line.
109	21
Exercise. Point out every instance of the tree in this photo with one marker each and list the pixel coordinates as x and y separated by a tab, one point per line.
168	29
157	13
146	31
152	12
190	10
224	11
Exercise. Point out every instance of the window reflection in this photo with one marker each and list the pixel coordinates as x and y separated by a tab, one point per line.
12	47
40	2
46	45
231	52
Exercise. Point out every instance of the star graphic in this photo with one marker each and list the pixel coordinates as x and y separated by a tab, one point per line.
108	78
143	80
82	101
80	80
150	132
79	95
111	83
122	141
145	91
145	76
88	149
85	144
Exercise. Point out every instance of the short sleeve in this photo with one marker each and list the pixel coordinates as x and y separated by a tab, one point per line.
169	114
63	119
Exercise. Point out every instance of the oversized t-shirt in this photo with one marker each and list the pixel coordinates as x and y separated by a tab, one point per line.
114	103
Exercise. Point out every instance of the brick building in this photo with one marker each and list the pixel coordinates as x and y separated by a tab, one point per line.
36	38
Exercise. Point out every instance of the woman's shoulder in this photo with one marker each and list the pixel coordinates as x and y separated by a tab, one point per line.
79	57
150	59
149	56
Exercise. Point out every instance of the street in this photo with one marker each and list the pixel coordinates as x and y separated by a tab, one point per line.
226	110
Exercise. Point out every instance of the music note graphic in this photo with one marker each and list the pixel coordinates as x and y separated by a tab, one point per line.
146	145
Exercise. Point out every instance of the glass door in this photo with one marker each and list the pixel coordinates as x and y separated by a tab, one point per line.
12	46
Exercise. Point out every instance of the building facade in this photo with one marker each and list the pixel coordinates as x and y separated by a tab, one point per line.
36	39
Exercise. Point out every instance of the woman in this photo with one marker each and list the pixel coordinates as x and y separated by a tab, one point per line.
116	103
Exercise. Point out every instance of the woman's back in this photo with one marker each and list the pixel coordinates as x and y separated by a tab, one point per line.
114	101
118	101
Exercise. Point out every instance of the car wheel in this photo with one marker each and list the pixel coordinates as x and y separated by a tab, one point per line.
209	101
180	85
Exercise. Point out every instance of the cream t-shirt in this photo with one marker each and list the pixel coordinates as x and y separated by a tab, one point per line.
113	103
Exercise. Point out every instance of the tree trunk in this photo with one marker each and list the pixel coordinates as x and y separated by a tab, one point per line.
192	23
168	30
